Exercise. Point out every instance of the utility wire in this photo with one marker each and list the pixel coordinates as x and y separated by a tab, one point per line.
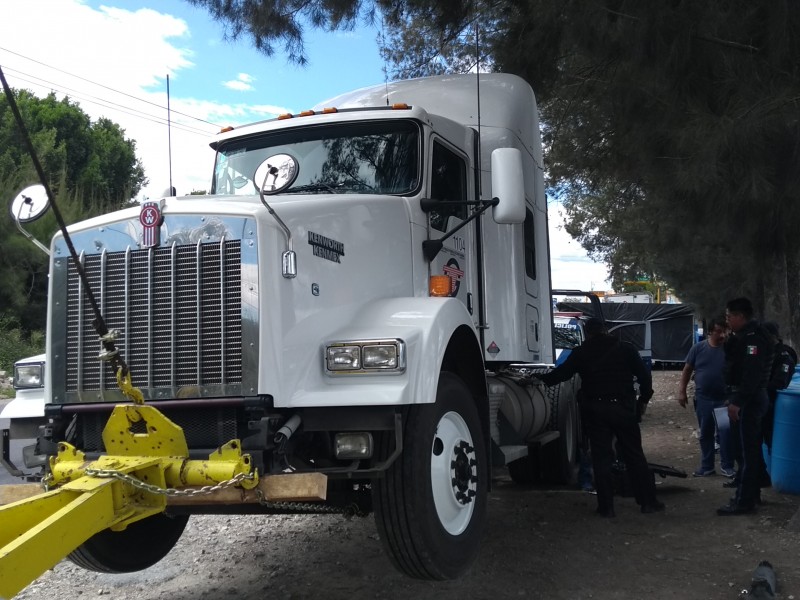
105	103
105	86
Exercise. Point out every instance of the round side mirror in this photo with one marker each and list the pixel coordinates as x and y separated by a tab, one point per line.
276	173
30	204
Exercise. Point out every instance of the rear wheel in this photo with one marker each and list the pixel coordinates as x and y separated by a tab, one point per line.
560	457
140	545
430	507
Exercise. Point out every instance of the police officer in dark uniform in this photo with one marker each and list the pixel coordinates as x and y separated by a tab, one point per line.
748	363
784	361
609	408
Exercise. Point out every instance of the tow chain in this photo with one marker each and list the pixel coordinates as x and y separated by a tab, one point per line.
351	510
169	492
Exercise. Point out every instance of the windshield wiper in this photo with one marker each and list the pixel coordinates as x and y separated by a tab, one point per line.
313	187
334	187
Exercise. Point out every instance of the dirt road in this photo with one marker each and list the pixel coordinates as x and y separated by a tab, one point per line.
540	543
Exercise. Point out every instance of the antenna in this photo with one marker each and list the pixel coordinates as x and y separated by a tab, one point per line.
478	89
383	52
169	141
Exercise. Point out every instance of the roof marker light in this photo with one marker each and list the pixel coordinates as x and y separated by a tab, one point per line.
284	116
307	113
330	110
400	106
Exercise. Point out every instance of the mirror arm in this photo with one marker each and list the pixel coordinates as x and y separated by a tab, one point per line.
431	248
289	258
36	242
428	204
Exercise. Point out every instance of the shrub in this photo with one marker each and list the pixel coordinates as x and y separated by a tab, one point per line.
17	343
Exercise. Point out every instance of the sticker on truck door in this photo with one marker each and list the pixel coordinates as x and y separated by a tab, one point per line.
455	273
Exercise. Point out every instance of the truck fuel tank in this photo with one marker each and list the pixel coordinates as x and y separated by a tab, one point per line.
524	408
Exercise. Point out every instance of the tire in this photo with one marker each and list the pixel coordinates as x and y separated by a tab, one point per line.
430	507
560	457
140	545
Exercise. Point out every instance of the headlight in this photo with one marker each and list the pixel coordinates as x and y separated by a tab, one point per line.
380	357
28	376
365	357
343	358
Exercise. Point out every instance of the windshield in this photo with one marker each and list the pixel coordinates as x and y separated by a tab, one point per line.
375	157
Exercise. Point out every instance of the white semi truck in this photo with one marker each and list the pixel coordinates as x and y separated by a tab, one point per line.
364	294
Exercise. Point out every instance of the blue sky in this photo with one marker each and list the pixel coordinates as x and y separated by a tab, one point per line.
113	57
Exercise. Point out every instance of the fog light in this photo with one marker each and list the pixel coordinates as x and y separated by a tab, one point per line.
380	357
343	358
353	445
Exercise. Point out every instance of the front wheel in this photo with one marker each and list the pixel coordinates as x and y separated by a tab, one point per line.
139	546
430	507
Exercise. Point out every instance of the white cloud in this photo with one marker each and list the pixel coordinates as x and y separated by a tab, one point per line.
571	267
242	83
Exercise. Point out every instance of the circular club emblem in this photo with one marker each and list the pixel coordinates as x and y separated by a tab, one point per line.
150	215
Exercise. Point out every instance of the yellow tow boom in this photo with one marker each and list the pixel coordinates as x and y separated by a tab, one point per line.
118	489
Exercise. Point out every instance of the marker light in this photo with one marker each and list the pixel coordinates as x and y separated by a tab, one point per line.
284	116
329	111
400	106
226	129
440	285
307	113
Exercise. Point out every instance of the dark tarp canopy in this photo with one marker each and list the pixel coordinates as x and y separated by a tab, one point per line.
666	330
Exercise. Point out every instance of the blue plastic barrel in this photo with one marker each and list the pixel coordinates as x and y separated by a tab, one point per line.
785	459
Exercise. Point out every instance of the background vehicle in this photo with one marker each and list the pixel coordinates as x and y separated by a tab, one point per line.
568	333
21	419
365	294
663	333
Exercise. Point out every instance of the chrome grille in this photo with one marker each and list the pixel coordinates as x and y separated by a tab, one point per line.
178	309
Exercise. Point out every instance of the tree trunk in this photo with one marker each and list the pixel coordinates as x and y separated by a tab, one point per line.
774	304
792	333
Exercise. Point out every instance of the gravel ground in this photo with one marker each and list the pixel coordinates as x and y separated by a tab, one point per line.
541	542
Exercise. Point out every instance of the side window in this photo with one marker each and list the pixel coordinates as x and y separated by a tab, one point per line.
448	182
530	246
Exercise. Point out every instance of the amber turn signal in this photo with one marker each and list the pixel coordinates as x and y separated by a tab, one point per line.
440	285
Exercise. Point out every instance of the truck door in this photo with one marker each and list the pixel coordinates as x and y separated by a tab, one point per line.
449	184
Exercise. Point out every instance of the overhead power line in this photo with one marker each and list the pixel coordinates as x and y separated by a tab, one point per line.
106	87
103	102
